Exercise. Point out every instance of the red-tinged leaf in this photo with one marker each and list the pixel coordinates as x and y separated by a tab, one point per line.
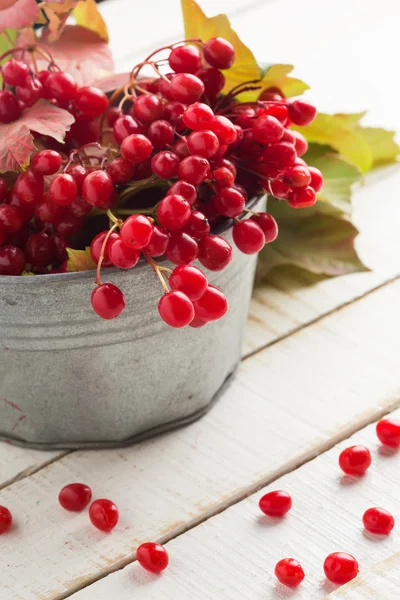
16	147
18	14
47	119
112	82
80	260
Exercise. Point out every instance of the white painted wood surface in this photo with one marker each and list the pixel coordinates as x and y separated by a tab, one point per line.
289	403
233	555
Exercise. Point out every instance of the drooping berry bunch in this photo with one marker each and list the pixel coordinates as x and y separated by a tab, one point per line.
166	159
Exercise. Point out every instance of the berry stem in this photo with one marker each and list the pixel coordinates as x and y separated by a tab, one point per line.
103	247
157	270
135	211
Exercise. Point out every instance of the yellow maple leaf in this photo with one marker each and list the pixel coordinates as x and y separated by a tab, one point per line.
87	15
80	260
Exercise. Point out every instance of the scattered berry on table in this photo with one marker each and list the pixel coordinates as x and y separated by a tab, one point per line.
378	520
276	503
340	567
152	557
75	496
388	432
104	514
5	519
355	460
289	572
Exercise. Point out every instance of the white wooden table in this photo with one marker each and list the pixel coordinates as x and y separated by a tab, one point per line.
320	367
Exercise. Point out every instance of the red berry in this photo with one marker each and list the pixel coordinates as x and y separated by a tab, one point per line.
136	231
297	176
11	218
203	143
248	236
276	503
185	59
267	130
173	111
189	280
164	86
125	126
355	460
165	164
279	111
63	189
48	212
229	202
176	309
9	107
289	572
219	53
212	305
198	225
39	250
158	242
120	170
198	116
108	302
3	189
223	177
277	188
97	188
180	148
60	245
317	180
299	141
388	432
224	129
12	260
61	85
112	115
152	557
136	147
378	520
280	155
5	519
197	323
85	130
14	72
29	187
268	225
148	108
91	101
186	88
302	197
97	244
123	256
181	248
173	212
143	170
29	92
70	225
79	173
271	94
103	513
214	81
18	238
301	113
214	252
340	567
75	496
185	189
161	134
46	162
194	169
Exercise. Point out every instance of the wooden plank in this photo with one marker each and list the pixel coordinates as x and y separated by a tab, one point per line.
233	555
289	403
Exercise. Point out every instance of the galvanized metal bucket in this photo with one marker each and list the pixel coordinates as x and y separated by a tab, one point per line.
68	379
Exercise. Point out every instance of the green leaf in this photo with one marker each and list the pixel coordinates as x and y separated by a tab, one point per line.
7	41
381	142
80	260
319	243
277	76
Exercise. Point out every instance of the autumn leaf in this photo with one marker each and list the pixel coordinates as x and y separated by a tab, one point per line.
80	260
382	144
16	141
19	14
87	15
57	13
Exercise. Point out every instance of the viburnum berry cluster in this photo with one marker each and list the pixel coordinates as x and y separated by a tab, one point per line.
150	172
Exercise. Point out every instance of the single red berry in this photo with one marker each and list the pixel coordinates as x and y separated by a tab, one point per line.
229	202
189	280
63	189
276	503
91	101
271	94
48	212
136	231
198	116
152	557
5	519
61	85
289	572
219	53
46	162
173	212
378	520
214	81
12	260
268	225
180	148
388	432
29	187
186	88
185	189
29	92
317	180
120	170
158	242
69	225
355	460
181	248
302	197
123	256
215	253
203	143
173	111
301	113
164	86
277	188
108	302
340	567
60	245
11	218
97	188
136	147
224	129
124	126
14	72
194	169
212	305
225	162
176	309
279	111
223	178
248	236
185	59
280	155
97	244
267	130
198	225
160	133
103	513
79	173
39	250
297	176
148	108
299	141
9	107
112	115
165	164
75	496
85	130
